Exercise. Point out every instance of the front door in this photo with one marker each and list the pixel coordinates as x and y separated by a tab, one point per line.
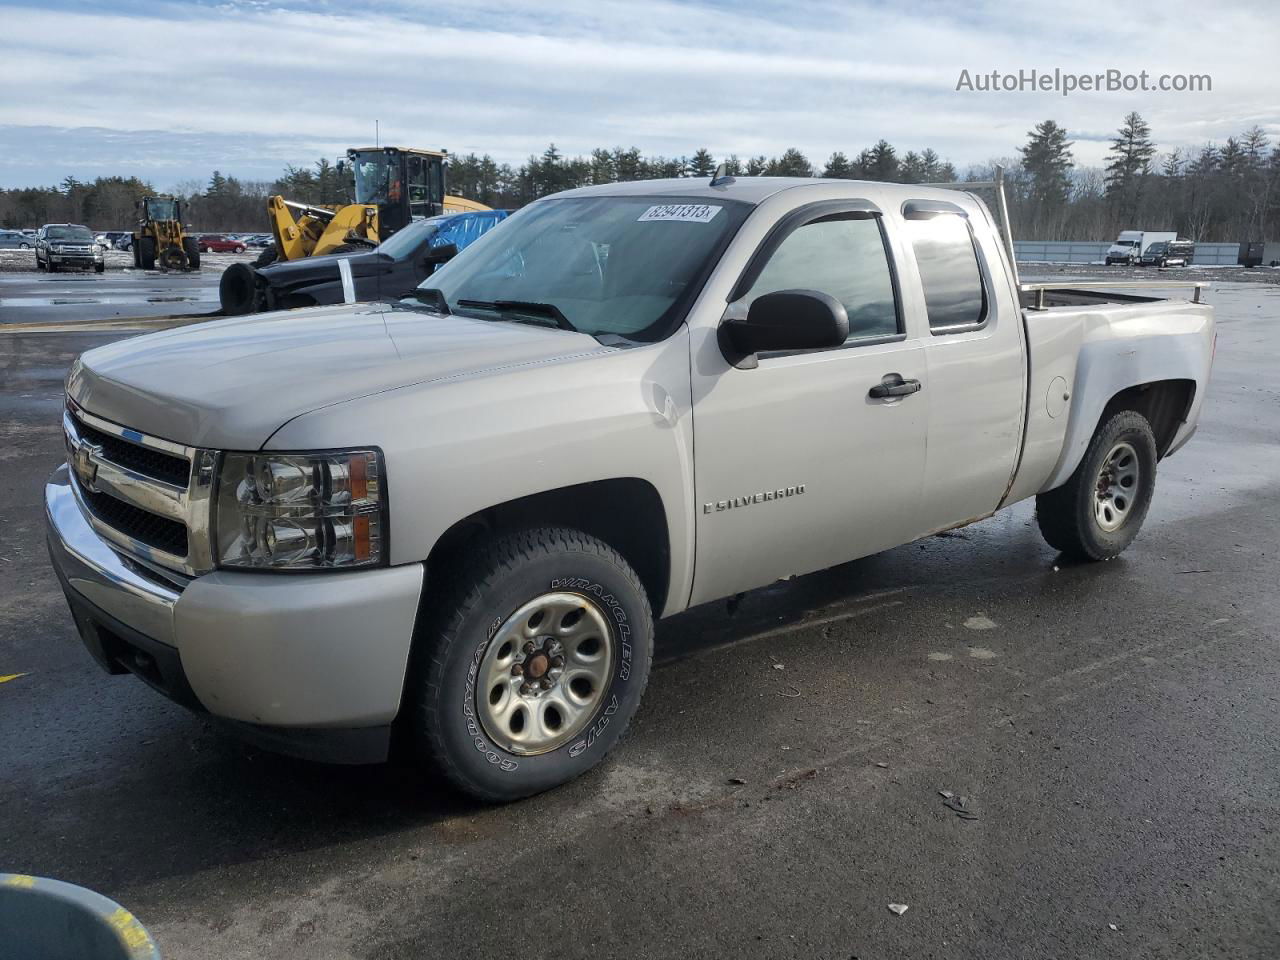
798	466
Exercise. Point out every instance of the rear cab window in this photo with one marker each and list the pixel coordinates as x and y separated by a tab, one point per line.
946	255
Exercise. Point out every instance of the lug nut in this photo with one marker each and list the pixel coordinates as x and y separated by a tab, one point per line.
558	662
517	670
546	683
528	647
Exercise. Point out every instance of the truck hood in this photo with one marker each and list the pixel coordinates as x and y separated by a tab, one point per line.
314	269
230	384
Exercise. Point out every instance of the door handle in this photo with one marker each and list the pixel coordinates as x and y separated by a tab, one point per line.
893	386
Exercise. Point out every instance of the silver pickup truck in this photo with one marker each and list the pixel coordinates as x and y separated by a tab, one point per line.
458	516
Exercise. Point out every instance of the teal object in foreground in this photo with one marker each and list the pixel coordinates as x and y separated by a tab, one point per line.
43	919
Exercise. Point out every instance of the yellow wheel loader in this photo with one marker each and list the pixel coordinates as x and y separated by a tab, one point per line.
394	185
159	240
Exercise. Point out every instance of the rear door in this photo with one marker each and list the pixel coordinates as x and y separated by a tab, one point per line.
798	467
975	358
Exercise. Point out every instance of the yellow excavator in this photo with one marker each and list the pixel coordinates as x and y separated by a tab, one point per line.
394	185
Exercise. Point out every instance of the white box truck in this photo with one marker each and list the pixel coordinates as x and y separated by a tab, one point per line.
1132	244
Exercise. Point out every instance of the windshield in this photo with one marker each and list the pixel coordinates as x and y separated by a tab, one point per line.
1125	243
158	209
608	265
69	233
1158	247
373	176
403	243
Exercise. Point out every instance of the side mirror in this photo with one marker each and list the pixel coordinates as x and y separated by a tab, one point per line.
441	254
785	320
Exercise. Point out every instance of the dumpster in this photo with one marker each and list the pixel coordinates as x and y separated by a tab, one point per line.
43	919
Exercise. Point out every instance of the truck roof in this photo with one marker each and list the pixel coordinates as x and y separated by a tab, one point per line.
755	190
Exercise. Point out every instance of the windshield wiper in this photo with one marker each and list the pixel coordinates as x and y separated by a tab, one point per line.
549	311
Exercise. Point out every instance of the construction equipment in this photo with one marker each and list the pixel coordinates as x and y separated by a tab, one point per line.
394	185
159	238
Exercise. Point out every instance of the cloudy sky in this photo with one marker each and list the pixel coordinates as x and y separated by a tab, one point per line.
170	91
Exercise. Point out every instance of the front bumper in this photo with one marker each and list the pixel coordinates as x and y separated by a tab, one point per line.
308	664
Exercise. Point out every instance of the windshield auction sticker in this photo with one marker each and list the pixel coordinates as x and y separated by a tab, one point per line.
690	212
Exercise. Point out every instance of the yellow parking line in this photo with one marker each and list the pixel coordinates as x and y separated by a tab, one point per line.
5	678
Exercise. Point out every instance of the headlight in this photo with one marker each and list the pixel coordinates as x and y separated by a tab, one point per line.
56	248
301	511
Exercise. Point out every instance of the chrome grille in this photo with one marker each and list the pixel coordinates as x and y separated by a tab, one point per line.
171	469
150	497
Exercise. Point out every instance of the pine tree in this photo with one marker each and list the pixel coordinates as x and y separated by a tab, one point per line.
932	166
1130	161
792	163
1047	161
626	163
883	162
838	167
912	169
756	166
701	164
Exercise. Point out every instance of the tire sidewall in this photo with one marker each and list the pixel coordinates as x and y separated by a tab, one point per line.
458	729
1133	429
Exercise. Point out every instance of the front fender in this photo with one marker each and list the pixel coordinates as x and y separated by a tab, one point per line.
455	447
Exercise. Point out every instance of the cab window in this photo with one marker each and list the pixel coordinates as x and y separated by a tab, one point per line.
842	255
955	296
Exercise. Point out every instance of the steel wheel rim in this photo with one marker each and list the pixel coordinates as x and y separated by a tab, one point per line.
544	673
1116	489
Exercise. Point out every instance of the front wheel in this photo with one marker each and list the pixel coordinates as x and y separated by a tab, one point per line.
534	666
1096	514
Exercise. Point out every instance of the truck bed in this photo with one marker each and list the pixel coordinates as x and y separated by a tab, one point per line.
1043	296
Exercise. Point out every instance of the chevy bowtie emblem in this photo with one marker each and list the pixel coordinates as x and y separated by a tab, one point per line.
81	457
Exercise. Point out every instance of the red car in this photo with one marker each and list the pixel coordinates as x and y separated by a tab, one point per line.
217	243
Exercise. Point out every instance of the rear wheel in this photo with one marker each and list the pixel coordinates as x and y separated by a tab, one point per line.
147	253
534	666
99	267
192	250
267	256
1097	513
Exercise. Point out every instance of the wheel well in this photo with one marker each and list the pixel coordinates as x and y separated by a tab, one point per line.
626	513
1165	404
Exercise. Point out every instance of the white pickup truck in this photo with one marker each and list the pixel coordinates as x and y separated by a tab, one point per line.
459	516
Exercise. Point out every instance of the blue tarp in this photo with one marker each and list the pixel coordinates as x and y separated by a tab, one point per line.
461	229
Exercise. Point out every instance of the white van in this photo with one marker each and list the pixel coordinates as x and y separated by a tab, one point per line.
1132	244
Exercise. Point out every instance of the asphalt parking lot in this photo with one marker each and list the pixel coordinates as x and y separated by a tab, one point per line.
1114	730
28	296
